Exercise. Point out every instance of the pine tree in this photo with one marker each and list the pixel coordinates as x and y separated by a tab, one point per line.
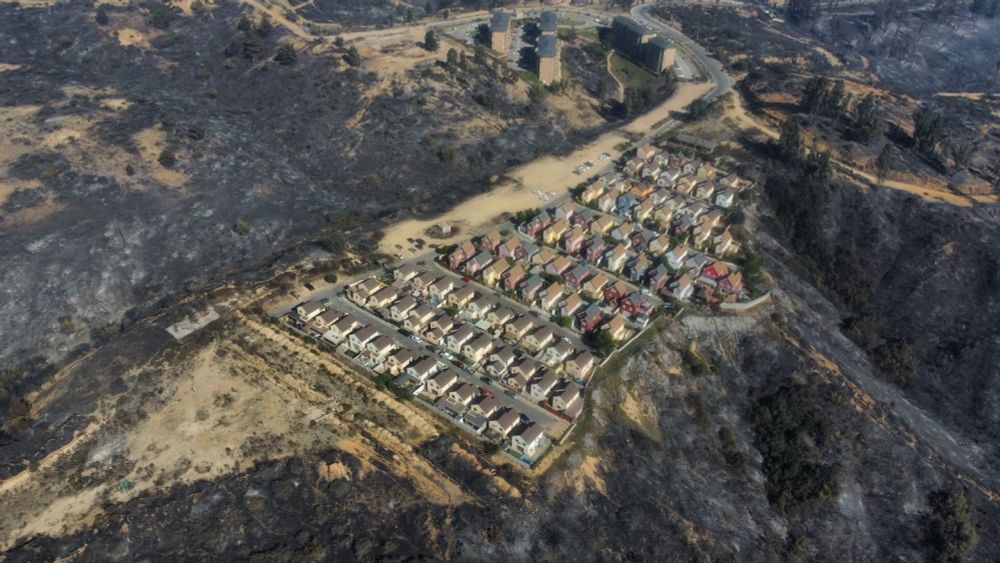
884	163
431	41
790	146
869	122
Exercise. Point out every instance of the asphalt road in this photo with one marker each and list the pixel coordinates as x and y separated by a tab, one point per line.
723	83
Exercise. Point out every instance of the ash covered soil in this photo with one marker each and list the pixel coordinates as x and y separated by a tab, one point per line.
160	152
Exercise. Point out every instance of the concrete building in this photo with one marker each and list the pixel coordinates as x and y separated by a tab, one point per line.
641	45
549	63
500	33
548	23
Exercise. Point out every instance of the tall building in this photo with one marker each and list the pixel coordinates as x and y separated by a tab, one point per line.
639	43
548	23
500	33
549	63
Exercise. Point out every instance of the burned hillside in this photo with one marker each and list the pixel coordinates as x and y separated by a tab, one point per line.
152	151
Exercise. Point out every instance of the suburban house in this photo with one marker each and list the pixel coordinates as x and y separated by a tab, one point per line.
641	238
435	336
566	398
422	369
643	211
570	305
478	308
594	249
535	226
659	245
397	362
551	296
309	310
677	256
529	440
544	256
381	347
491	274
588	319
517	329
607	201
732	284
482	410
682	287
499	317
637	268
478	348
463	252
522	372
382	298
574	278
601	225
539	339
614	292
556	354
724	243
322	322
462	395
592	192
444	322
704	190
636	305
555	232
339	331
573	240
490	241
500	360
405	273
477	263
510	248
559	266
440	383
695	263
530	288
401	309
440	289
540	388
658	278
615	258
725	198
622	233
504	424
423	281
457	339
565	211
359	292
617	327
461	296
595	285
513	277
581	366
361	337
419	317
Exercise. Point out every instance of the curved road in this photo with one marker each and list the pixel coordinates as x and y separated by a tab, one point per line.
723	83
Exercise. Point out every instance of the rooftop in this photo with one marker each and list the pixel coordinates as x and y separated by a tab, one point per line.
548	21
548	47
500	21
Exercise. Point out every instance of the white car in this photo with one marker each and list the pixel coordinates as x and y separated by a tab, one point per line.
447	356
417	339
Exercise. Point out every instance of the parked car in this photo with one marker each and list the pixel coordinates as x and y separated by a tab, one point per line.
486	380
310	287
447	356
487	391
417	339
510	393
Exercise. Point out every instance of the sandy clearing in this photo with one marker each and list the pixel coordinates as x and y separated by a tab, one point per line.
151	142
279	16
128	37
548	174
587	475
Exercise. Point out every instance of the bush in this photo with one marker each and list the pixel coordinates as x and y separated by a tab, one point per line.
286	54
949	526
789	431
167	157
241	227
895	360
330	278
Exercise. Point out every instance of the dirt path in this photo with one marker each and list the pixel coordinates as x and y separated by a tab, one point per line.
548	174
621	87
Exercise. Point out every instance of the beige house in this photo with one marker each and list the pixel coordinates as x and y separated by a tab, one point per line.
440	383
539	339
397	362
581	366
491	274
418	318
504	424
401	309
462	296
381	347
457	339
479	308
309	310
440	289
566	397
360	338
540	388
463	394
359	292
341	329
382	298
517	329
422	369
477	349
405	273
499	317
617	327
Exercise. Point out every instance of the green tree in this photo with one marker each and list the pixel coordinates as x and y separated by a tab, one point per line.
353	57
483	34
961	152
928	130
339	41
950	529
869	120
286	54
101	17
452	58
884	163
790	145
431	41
264	26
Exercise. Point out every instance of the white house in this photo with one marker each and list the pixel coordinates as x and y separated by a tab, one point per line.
529	440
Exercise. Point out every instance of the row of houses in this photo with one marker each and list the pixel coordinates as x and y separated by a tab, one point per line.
518	350
442	383
554	282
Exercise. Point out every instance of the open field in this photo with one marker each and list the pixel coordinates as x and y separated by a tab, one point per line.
550	173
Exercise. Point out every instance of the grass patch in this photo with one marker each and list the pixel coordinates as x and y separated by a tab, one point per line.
629	73
530	77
